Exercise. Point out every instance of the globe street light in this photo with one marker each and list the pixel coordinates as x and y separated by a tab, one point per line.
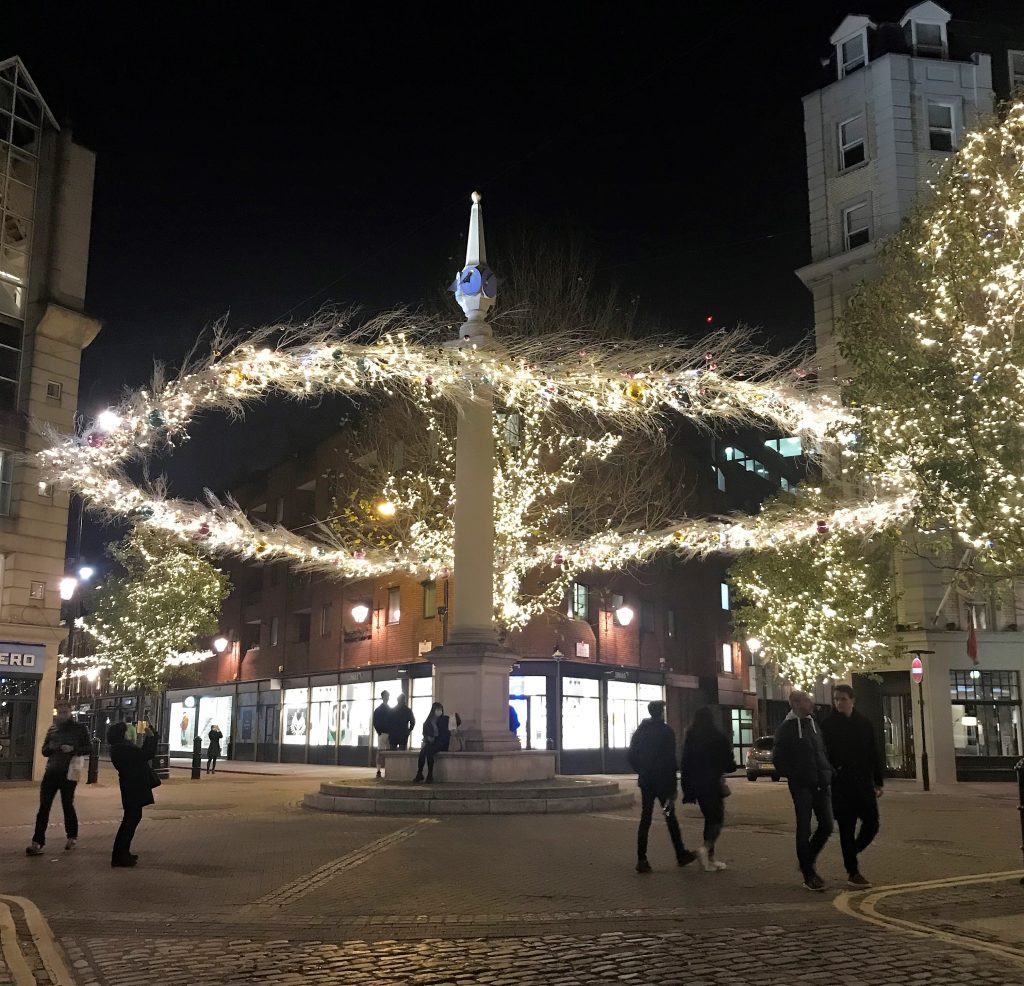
624	615
754	645
360	612
68	584
86	572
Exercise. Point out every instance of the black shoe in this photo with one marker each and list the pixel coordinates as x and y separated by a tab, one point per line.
685	858
378	775
418	779
814	882
858	881
124	861
642	866
430	779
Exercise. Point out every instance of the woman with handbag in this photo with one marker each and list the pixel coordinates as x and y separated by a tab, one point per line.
136	778
431	743
707	757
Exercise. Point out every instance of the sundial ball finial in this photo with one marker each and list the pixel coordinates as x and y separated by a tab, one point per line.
476	198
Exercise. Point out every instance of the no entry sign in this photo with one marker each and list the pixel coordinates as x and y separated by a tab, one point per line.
916	670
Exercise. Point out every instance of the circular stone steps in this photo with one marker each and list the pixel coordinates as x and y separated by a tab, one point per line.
558	796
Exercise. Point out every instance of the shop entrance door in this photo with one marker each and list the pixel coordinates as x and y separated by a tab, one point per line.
18	704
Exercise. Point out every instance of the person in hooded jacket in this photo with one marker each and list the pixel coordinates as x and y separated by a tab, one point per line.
136	779
432	740
707	757
652	754
856	757
800	757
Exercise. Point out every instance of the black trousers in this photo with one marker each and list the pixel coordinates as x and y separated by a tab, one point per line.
668	805
427	753
51	784
851	806
808	801
126	832
713	810
211	761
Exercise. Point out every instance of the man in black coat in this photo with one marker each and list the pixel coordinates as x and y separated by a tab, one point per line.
652	754
856	759
799	755
65	739
381	721
400	723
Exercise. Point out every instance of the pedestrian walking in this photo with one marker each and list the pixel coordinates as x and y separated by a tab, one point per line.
65	740
706	759
213	751
855	755
381	720
431	743
652	754
136	778
799	756
400	723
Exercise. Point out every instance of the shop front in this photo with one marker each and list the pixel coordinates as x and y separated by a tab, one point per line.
986	714
21	674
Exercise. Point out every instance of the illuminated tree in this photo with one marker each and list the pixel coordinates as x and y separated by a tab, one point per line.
143	624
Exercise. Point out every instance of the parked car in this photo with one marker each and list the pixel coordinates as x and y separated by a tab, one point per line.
759	759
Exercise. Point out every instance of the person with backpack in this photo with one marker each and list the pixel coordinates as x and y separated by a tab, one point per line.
652	754
706	759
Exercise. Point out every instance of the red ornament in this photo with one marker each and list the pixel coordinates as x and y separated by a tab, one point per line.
95	439
203	531
822	527
709	319
559	559
359	554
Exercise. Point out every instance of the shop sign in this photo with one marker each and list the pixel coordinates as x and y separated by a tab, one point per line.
18	658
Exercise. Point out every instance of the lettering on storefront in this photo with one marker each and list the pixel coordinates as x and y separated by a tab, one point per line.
18	658
15	660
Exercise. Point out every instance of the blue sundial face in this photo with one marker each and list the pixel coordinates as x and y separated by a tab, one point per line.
470	281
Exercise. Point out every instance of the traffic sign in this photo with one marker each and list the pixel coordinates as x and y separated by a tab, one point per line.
916	670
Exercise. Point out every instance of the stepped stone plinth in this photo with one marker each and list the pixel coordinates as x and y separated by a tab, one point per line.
559	795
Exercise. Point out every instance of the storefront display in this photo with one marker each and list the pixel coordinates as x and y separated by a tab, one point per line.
182	724
215	710
581	714
323	716
527	694
296	724
355	713
421	700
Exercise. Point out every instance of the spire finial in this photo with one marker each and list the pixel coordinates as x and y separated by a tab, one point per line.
476	196
475	285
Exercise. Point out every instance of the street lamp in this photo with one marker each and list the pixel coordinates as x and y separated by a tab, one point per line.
754	645
557	656
68	584
220	644
360	612
108	420
624	615
86	572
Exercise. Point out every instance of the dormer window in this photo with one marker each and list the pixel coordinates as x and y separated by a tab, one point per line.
853	54
929	40
1016	69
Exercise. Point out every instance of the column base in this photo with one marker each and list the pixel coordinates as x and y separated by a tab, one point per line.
475	767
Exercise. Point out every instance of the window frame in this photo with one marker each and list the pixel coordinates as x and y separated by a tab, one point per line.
725	597
1016	78
846	146
951	130
727	664
325	620
6	481
849	67
393	613
579	591
275	630
429	599
942	48
848	233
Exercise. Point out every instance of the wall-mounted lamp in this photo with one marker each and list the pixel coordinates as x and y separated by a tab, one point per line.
557	653
68	584
360	611
220	644
624	615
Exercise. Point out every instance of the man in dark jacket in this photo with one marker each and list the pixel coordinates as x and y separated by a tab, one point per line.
400	723
800	757
857	785
64	739
652	754
381	726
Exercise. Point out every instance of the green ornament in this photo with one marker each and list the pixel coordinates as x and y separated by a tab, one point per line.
156	418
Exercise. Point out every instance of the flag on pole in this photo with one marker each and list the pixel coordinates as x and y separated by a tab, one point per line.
972	643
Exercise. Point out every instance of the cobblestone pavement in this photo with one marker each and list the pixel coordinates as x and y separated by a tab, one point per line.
238	883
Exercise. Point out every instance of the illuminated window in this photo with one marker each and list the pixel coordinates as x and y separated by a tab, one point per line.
725	595
579	601
856	225
851	142
720	479
727	658
787	447
941	130
394	604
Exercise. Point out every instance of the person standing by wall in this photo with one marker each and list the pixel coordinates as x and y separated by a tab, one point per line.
400	723
431	742
652	754
856	759
65	739
381	720
213	751
707	757
799	755
136	778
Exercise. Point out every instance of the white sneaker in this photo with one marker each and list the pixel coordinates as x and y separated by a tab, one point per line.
70	844
706	863
718	864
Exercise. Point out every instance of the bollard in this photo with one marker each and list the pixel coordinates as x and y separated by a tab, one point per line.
162	761
1019	768
94	761
197	758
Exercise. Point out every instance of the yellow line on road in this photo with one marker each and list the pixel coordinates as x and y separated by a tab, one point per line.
13	957
42	937
862	905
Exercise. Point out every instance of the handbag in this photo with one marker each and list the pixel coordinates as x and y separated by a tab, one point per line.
154	777
724	788
76	768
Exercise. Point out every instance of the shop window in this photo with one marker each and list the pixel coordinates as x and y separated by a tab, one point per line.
296	716
986	714
422	697
852	142
581	714
323	715
528	695
394	604
741	722
429	600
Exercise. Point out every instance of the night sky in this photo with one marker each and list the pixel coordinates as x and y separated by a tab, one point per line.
265	162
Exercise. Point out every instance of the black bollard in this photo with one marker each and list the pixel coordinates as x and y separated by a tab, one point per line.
197	758
1019	767
94	761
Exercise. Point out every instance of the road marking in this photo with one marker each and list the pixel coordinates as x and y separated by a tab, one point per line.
42	937
293	891
863	906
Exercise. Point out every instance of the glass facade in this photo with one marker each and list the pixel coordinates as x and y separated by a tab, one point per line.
986	713
741	725
528	695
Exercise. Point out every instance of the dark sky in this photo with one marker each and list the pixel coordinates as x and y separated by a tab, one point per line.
268	160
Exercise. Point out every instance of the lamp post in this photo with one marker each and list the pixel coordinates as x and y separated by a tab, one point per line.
557	656
917	673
